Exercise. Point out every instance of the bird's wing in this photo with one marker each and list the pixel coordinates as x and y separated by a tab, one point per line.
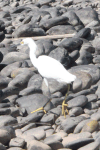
51	68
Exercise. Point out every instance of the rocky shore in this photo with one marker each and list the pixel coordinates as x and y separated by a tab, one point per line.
23	90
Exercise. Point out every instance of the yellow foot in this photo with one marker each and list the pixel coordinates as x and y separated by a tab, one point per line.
64	108
39	110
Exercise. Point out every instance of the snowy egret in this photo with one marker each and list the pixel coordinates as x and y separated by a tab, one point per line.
49	68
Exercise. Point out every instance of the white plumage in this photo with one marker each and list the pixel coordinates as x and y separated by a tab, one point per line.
48	67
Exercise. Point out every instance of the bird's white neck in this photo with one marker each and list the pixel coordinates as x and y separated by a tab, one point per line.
33	48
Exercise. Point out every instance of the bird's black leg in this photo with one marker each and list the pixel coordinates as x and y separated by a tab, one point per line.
63	103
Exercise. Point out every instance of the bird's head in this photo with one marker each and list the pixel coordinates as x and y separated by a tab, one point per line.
30	42
27	41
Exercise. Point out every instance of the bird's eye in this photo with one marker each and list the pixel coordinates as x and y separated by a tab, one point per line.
21	42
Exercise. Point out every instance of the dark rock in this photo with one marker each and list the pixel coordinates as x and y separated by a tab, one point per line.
85	16
47	24
9	68
2	25
19	9
83	33
45	46
71	43
21	80
48	118
79	101
2	36
93	145
61	29
6	134
84	58
27	30
69	124
61	55
92	98
73	137
76	111
74	55
34	117
7	49
2	147
79	143
33	102
73	18
4	81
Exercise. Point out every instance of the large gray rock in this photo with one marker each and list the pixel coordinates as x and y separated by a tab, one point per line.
21	80
33	102
6	134
85	16
73	18
6	71
71	43
47	24
61	55
61	29
13	57
7	120
79	101
90	69
28	31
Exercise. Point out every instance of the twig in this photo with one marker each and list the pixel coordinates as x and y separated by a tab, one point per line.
46	37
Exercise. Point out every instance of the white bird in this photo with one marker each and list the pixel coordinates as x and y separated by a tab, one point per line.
49	68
